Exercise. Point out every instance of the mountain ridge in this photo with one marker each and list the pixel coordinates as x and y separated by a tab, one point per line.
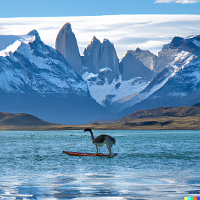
160	118
37	79
23	121
165	111
139	75
33	73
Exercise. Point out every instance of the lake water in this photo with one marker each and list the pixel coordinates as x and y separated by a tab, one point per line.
162	165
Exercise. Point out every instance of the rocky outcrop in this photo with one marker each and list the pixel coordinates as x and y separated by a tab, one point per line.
90	58
146	57
99	56
109	57
166	55
132	67
66	44
169	51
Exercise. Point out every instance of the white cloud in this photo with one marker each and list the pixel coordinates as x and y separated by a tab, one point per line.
126	32
177	1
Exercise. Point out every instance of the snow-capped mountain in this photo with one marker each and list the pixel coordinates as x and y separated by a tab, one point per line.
138	76
178	84
108	80
28	65
101	70
98	57
36	79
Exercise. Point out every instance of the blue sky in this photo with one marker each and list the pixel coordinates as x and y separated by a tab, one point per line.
52	8
128	24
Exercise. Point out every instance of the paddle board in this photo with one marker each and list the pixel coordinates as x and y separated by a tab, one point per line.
87	154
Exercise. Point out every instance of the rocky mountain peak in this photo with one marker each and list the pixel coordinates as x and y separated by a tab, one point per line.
138	49
67	26
126	53
147	58
190	45
131	67
177	41
106	40
97	56
94	39
67	45
33	32
176	47
92	45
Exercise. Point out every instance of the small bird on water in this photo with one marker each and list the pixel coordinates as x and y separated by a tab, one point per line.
101	140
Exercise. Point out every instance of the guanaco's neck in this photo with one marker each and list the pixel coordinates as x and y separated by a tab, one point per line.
92	136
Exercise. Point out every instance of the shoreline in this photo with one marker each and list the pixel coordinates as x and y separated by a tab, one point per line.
162	123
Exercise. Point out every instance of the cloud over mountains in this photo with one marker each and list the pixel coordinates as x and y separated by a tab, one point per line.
126	32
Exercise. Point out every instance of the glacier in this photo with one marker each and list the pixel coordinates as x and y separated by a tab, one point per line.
117	89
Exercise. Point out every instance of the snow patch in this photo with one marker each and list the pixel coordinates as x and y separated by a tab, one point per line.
10	49
105	69
181	59
125	88
88	75
196	42
13	47
28	38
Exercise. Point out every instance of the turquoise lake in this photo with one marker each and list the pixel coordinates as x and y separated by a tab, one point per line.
162	165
